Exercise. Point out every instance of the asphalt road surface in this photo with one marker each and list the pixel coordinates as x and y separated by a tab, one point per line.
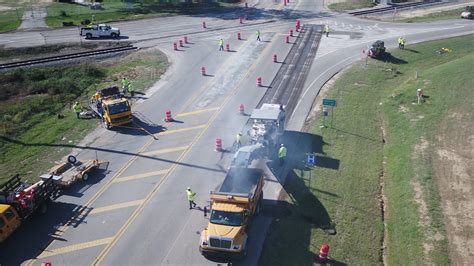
137	212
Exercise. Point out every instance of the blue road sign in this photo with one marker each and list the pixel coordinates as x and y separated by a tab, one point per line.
311	160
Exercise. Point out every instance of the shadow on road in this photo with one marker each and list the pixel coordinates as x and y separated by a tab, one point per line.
31	238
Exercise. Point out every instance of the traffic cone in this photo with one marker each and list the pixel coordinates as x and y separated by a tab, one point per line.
203	71
259	81
242	109
168	117
218	145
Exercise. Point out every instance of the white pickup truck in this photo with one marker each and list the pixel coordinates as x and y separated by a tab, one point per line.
101	30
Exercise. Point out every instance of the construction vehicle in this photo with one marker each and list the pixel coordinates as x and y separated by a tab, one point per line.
377	49
110	106
268	125
468	13
69	172
19	201
233	205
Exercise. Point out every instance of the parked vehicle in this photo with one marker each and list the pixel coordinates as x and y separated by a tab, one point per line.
377	49
468	13
110	106
19	201
233	205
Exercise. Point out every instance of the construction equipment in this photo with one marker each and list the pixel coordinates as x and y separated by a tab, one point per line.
237	199
19	201
468	13
110	106
247	154
377	49
268	125
67	173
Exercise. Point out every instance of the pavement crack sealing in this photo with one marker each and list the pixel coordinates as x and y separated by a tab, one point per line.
288	83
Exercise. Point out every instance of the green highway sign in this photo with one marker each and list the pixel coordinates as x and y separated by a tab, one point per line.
329	102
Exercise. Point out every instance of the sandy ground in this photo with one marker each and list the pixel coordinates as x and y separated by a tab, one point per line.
454	169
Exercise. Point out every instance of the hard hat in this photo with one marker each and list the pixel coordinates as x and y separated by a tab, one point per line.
189	188
282	145
77	102
240	133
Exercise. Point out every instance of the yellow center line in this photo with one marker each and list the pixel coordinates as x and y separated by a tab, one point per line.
71	248
198	112
168	132
133	177
138	210
163	151
116	206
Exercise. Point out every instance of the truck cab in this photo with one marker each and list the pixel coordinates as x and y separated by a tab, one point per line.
9	221
111	107
233	205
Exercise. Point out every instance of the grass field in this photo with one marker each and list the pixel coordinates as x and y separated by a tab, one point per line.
441	15
32	138
379	95
118	10
350	5
10	14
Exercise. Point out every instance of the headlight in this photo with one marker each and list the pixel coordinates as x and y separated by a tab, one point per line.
236	247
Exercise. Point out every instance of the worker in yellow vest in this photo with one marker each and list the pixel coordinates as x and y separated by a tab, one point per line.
221	45
238	140
326	30
77	109
131	89
125	84
191	196
282	154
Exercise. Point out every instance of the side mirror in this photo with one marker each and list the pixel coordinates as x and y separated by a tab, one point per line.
246	213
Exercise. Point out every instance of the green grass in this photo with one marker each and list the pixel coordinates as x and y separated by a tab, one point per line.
118	10
350	5
442	15
32	138
369	96
10	19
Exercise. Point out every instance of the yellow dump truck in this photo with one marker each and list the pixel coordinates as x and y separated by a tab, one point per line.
233	205
110	106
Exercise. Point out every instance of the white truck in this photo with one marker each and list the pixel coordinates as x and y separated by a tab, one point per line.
98	31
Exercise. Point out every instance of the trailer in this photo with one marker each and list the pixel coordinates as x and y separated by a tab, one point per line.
68	173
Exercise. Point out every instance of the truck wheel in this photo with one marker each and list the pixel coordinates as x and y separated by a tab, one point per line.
113	35
106	125
88	35
71	159
85	176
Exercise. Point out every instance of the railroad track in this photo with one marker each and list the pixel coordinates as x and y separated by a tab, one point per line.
60	58
394	7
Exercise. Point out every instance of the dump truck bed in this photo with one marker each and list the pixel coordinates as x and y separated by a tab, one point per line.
241	181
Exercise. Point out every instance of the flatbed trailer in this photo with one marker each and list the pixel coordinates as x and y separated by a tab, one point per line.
68	173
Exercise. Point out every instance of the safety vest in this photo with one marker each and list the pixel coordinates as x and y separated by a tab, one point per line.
326	28
258	33
221	42
130	88
77	108
190	195
237	138
282	152
125	82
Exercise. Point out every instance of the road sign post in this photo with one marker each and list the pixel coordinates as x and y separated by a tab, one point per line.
332	103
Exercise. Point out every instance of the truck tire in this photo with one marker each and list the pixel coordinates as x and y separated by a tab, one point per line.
88	35
106	125
43	209
71	159
113	35
85	176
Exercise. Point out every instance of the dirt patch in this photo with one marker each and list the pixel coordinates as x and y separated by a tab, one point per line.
454	172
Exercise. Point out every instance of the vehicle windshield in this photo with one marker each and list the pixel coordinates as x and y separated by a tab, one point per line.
227	218
117	108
